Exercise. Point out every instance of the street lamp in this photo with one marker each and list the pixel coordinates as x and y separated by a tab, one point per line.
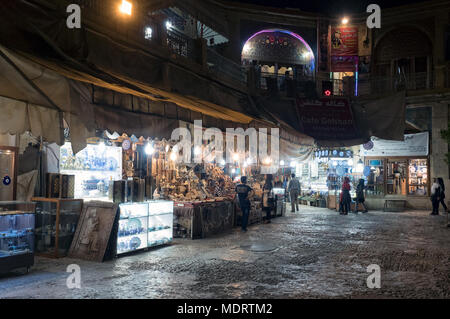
344	20
126	7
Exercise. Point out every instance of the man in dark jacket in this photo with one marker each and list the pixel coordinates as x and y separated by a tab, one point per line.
244	193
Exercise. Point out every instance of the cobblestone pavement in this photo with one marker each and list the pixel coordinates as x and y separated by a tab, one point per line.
312	254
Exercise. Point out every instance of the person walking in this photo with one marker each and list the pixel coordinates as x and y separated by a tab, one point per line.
294	191
244	193
360	196
435	193
442	194
268	198
346	199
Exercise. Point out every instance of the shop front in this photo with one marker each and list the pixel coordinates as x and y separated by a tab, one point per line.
322	177
398	172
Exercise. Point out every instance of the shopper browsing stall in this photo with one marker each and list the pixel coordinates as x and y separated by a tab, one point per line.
244	193
346	198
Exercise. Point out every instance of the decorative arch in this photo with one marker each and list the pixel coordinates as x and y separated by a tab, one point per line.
278	46
401	42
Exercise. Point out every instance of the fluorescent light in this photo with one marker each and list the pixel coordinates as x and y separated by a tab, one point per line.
197	150
148	33
169	25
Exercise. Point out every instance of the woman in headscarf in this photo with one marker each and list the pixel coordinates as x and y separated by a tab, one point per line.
346	199
360	196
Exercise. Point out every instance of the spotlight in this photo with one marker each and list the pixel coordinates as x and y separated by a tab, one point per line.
126	7
149	149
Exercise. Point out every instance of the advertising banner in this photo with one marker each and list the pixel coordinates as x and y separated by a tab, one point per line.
413	145
327	119
344	41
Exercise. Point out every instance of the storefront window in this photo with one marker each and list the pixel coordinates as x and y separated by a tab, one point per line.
418	177
396	177
375	180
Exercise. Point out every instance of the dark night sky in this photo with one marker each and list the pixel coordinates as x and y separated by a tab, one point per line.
334	7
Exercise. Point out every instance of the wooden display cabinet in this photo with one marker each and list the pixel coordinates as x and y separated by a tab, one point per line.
56	223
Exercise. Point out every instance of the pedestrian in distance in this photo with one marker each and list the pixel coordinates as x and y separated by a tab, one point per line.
268	197
244	193
442	194
435	199
294	191
346	198
360	196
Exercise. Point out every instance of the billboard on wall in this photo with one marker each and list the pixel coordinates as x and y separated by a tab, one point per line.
344	41
327	119
413	145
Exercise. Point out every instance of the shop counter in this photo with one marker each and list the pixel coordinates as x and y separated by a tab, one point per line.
202	219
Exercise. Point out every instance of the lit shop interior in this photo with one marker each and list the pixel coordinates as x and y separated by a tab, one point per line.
322	177
121	194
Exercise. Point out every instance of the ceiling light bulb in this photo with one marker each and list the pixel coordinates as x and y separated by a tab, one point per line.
126	7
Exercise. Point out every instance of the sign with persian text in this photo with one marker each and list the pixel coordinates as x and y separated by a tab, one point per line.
327	119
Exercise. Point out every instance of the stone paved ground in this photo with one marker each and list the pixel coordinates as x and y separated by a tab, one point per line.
313	254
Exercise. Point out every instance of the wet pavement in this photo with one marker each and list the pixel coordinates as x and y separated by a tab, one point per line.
312	254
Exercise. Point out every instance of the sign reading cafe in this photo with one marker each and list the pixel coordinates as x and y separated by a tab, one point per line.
413	145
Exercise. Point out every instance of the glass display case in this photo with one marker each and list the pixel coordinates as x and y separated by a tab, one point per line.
144	225
418	177
94	168
56	223
16	235
8	173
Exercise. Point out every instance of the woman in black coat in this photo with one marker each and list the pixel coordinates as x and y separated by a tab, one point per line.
442	193
360	196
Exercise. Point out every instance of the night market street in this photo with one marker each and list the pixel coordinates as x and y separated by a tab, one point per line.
313	254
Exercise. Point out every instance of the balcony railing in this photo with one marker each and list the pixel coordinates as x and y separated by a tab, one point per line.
182	45
286	84
219	64
374	85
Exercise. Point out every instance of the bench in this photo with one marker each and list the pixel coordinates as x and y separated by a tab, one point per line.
394	205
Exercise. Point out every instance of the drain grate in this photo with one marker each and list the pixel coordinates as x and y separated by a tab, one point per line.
259	247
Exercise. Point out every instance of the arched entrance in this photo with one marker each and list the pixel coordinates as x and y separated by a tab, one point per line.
279	54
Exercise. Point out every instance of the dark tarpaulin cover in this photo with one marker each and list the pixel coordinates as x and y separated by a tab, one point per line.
115	120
